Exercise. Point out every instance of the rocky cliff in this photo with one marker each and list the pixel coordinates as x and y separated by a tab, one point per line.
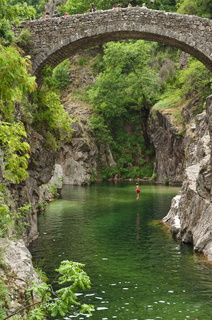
190	216
73	163
169	148
17	274
78	159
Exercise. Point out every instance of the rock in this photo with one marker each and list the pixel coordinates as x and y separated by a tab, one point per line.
18	272
194	203
169	148
78	159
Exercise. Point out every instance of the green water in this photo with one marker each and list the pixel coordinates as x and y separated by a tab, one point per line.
138	271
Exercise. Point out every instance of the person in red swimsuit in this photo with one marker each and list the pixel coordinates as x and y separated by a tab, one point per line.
137	190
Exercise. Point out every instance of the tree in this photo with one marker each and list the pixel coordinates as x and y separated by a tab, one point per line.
201	8
15	80
15	11
127	82
121	96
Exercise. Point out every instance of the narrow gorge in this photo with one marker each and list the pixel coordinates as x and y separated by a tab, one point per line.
181	150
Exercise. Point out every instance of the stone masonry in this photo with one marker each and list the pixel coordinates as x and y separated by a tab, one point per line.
56	39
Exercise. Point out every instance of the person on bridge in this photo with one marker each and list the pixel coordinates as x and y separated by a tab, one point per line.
93	9
47	15
56	14
144	6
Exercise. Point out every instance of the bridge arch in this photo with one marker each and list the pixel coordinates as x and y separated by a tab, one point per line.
56	39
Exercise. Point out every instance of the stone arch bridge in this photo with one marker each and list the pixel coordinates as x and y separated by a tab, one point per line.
56	39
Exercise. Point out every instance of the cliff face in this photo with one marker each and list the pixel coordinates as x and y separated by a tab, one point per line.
18	275
190	216
169	148
74	163
78	159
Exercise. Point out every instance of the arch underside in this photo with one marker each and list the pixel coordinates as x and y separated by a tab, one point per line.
66	51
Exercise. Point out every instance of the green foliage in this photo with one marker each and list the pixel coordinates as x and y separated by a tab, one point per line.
15	151
15	10
38	6
133	172
164	60
24	38
4	297
41	274
76	7
128	83
15	80
59	77
5	219
36	314
121	97
101	131
51	118
154	176
51	141
146	171
49	115
195	80
137	172
60	74
41	206
11	222
53	189
195	7
169	100
6	35
166	182
192	84
20	217
165	5
63	300
82	61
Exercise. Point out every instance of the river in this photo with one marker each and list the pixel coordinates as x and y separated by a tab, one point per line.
137	270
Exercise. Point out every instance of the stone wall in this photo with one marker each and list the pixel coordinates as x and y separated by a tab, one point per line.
190	216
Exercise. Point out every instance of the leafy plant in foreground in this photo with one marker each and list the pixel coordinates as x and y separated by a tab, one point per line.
49	302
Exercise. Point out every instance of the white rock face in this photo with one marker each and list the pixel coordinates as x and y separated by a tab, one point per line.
18	263
190	216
